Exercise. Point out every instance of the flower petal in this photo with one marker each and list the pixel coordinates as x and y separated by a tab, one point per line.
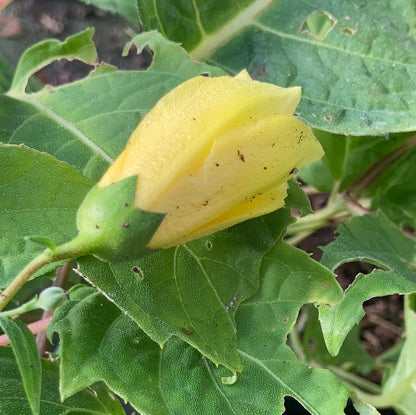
248	161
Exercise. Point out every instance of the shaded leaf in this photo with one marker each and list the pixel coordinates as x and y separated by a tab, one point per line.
394	193
27	358
126	8
347	158
97	400
40	197
398	389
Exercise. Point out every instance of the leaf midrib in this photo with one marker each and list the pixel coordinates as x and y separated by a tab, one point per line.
32	100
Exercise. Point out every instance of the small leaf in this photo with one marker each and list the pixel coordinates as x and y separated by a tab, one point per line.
79	46
42	241
27	357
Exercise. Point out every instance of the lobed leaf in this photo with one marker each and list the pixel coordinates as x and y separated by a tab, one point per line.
79	46
375	240
185	381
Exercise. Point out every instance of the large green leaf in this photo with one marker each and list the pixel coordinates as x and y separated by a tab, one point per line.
87	123
40	197
98	342
355	61
98	400
27	359
375	240
192	291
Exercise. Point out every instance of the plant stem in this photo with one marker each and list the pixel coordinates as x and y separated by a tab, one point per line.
331	215
35	328
24	308
70	250
355	380
62	274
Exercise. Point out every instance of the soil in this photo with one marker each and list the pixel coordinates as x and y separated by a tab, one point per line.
24	22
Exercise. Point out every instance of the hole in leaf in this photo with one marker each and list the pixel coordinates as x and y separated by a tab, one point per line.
348	31
139	272
318	24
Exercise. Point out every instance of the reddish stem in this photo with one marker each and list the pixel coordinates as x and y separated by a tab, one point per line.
35	328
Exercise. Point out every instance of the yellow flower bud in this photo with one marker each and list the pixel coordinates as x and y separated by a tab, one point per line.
214	152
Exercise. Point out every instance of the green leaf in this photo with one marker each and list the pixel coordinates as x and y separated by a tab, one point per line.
126	8
336	322
79	46
87	123
398	389
394	193
153	376
372	239
192	291
40	196
335	50
297	198
348	158
98	400
6	75
27	357
352	354
114	345
377	241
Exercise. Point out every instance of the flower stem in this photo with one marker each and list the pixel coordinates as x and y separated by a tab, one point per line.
331	215
70	250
